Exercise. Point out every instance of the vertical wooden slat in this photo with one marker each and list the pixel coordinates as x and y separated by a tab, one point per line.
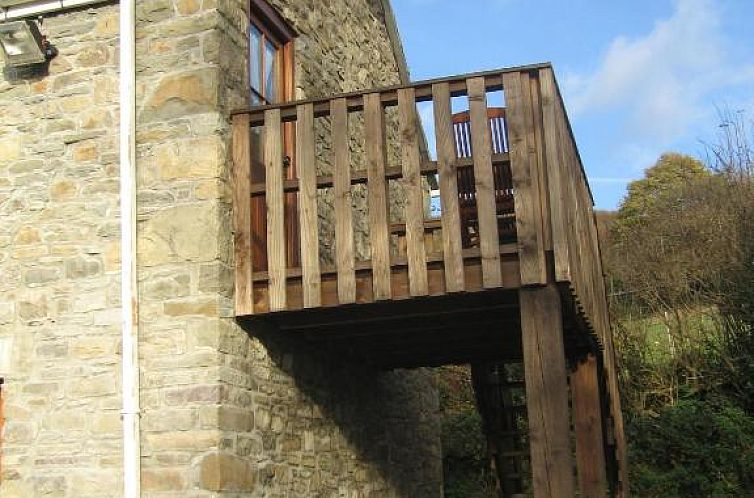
417	261
273	161
546	392
525	185
555	165
344	255
587	423
451	224
307	206
242	214
377	193
481	146
538	133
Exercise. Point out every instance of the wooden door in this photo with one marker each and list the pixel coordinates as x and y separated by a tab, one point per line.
271	80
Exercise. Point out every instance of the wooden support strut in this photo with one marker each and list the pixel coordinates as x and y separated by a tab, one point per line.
587	422
546	391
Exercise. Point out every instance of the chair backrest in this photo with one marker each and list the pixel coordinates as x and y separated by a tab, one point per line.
498	131
499	142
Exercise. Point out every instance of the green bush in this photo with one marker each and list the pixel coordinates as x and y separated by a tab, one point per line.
693	449
467	472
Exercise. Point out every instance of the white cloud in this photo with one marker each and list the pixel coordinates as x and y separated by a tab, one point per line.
662	82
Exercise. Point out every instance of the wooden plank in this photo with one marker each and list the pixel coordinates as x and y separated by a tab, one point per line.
374	130
546	392
242	214
423	92
398	283
587	423
344	254
507	250
307	206
555	165
484	182
361	176
535	173
539	147
417	262
446	156
276	249
525	187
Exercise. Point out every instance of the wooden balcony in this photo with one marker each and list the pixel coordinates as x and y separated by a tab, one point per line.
510	271
546	232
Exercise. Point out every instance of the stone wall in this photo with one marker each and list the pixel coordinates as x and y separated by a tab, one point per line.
59	267
325	424
225	411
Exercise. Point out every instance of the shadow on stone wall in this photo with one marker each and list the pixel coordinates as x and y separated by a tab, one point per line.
364	430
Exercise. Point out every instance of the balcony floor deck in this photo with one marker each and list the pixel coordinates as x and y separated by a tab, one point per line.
427	331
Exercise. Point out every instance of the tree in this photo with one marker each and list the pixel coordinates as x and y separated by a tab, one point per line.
664	235
671	172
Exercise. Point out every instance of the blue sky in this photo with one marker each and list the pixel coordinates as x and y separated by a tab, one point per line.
639	77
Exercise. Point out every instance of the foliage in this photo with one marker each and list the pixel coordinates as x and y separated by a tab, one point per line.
694	448
680	253
679	256
464	447
670	172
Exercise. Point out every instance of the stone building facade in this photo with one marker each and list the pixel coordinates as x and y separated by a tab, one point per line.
225	411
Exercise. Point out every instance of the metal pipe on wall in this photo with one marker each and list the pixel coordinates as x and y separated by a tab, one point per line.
129	288
20	10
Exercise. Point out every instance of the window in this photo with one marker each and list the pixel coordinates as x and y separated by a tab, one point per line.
270	55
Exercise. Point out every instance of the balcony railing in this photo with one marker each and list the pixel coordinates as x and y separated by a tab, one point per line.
512	190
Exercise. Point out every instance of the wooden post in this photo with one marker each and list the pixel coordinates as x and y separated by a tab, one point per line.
276	248
546	392
484	183
555	166
307	206
446	156
524	169
374	131
587	422
416	252
242	213
342	203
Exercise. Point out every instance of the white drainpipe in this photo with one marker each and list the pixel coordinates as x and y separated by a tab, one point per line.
22	9
129	289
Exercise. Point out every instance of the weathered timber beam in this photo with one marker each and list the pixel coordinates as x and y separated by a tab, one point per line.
395	262
423	89
361	177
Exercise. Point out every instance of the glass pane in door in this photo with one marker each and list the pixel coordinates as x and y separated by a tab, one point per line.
270	71
255	73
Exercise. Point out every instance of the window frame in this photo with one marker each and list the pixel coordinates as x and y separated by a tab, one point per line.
276	30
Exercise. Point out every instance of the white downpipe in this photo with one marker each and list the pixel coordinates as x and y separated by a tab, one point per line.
38	7
129	289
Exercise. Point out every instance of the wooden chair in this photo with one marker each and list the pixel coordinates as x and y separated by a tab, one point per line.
501	173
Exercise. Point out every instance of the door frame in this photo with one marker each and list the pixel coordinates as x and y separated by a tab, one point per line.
275	29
